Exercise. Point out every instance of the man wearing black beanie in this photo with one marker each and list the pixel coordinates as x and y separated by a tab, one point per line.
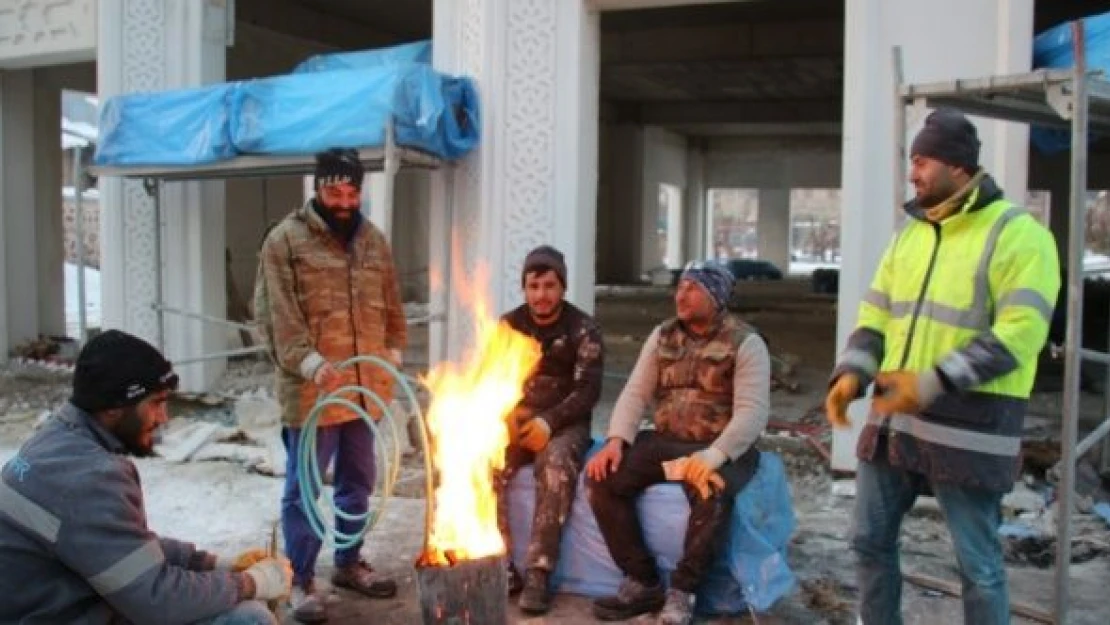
73	533
949	333
327	291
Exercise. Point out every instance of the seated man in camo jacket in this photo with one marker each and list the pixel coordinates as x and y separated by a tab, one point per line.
551	426
709	376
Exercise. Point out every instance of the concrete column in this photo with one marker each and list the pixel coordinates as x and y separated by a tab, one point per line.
695	226
534	178
30	210
991	37
146	45
773	227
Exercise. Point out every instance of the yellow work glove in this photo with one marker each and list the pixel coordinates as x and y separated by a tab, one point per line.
243	561
695	473
905	392
534	435
841	393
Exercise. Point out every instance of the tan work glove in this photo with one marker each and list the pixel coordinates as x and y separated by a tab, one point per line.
243	561
273	578
694	472
517	417
534	434
842	392
905	392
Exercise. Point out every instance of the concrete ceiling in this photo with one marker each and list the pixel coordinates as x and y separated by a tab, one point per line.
408	19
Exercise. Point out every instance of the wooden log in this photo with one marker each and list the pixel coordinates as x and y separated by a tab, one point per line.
470	592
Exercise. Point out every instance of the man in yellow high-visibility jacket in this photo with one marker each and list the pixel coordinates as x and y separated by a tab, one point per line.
949	332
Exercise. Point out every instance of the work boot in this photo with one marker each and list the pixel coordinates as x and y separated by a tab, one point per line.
679	608
633	598
515	583
535	598
308	607
361	578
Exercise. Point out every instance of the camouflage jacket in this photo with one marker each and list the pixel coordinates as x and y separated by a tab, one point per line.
318	301
567	383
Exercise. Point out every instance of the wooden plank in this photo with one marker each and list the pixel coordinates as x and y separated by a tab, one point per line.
954	589
471	591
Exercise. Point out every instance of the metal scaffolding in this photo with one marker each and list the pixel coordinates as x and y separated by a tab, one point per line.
1079	101
389	159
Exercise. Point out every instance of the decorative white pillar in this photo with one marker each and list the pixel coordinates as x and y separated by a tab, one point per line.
533	180
150	45
773	227
991	37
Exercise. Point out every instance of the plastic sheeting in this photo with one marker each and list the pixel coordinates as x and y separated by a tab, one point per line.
1053	49
178	127
306	113
415	52
751	567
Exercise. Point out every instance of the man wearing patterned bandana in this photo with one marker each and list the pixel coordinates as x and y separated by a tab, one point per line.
551	427
709	376
327	291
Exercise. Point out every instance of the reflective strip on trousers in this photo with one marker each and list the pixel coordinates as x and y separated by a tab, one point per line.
959	438
980	315
128	569
29	514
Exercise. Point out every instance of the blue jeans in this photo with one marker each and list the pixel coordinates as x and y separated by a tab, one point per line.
246	613
352	446
883	496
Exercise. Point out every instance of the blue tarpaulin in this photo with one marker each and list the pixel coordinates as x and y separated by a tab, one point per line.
415	52
1053	49
750	568
299	113
306	113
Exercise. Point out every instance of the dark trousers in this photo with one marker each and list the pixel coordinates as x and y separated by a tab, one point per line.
614	505
556	469
352	446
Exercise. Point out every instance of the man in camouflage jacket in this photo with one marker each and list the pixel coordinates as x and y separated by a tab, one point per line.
709	376
551	426
327	291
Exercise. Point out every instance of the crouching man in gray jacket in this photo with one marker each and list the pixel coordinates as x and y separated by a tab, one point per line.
74	543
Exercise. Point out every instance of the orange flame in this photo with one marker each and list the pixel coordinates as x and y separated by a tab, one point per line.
466	421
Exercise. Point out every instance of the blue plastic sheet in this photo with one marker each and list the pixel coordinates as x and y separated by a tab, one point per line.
751	567
1053	49
415	52
309	112
178	127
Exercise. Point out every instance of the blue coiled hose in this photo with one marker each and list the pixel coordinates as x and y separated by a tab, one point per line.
309	476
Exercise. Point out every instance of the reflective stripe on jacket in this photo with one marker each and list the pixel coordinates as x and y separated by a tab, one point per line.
970	298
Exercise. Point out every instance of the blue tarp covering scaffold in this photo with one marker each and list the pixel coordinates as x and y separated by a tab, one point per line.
299	113
1053	49
415	52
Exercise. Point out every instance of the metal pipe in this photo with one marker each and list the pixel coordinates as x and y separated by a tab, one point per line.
154	190
231	353
79	235
389	168
202	317
1073	344
898	76
1095	436
1095	356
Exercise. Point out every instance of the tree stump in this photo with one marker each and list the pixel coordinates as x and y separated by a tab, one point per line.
470	592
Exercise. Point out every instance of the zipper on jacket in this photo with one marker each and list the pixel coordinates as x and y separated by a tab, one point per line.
351	318
921	296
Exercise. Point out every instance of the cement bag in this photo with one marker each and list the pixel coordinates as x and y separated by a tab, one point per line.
309	112
415	52
751	568
176	127
1053	49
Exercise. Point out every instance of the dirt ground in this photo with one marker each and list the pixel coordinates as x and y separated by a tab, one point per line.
222	506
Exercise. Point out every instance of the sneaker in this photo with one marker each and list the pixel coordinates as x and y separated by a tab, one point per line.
678	608
535	598
633	598
308	607
515	583
361	578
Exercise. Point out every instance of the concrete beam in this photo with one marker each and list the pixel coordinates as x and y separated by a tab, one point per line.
306	22
748	112
728	41
626	5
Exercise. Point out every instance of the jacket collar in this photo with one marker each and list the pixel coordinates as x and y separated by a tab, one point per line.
77	419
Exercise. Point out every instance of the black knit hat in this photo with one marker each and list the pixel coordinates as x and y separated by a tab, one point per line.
545	258
116	369
948	137
338	166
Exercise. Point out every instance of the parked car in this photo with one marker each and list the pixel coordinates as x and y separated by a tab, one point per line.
753	269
